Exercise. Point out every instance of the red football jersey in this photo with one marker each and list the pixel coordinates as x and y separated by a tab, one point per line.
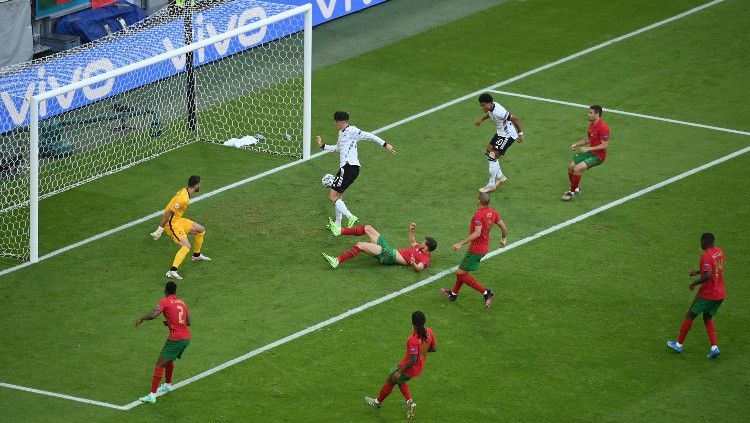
415	345
712	261
416	252
597	133
486	217
176	312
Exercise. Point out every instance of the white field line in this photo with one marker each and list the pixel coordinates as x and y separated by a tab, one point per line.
621	112
385	128
445	272
63	396
404	290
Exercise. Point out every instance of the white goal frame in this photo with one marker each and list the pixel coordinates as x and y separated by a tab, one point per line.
36	99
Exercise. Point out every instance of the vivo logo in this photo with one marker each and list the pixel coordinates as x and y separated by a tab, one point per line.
328	8
43	83
202	31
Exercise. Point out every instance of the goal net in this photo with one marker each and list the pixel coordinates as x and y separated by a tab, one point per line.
230	72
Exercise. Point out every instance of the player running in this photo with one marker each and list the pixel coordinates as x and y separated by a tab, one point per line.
349	136
421	341
709	297
178	227
588	157
177	319
417	256
479	237
508	130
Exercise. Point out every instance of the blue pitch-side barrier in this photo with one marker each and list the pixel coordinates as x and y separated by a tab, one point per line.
17	89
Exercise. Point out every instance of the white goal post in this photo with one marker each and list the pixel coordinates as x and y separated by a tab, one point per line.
220	114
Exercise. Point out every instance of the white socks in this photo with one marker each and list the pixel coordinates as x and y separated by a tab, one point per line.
495	172
341	210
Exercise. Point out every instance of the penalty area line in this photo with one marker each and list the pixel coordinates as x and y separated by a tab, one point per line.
446	272
621	112
63	396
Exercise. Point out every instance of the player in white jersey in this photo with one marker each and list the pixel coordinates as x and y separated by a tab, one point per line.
508	131
349	136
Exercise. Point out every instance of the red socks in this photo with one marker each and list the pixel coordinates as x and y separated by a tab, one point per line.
575	180
385	391
684	329
354	230
404	388
350	253
169	369
158	371
465	278
711	329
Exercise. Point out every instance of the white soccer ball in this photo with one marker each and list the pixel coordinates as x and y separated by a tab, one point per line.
328	180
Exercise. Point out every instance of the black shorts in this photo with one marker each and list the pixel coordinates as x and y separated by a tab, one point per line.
345	177
501	144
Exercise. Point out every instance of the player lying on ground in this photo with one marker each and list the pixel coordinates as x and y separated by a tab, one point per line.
709	297
507	131
592	151
479	236
346	145
177	319
421	342
178	227
417	256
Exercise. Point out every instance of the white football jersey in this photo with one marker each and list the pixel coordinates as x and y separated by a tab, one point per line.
347	144
501	118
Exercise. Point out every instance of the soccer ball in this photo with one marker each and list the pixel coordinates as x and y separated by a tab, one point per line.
327	180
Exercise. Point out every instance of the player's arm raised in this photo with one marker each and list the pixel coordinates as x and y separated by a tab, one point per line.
150	316
474	235
164	219
504	232
324	146
517	124
412	237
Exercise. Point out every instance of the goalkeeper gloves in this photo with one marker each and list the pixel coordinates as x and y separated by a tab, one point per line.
157	233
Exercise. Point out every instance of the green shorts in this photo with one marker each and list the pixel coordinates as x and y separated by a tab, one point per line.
402	379
388	254
701	305
589	158
470	263
173	349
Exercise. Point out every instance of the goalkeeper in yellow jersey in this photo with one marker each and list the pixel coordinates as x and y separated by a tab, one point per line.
178	227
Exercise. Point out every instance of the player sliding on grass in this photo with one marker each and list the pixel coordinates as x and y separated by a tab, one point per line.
479	237
417	256
508	130
178	227
588	157
349	136
177	320
709	297
421	342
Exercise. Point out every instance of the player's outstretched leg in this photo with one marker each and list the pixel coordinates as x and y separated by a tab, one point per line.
155	380
334	227
372	402
687	323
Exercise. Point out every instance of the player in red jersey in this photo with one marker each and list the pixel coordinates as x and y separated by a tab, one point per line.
479	237
709	297
177	319
588	157
420	342
417	256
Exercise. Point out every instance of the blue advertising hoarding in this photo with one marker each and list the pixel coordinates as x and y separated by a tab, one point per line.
17	89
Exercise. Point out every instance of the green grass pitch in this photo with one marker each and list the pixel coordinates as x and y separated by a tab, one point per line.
581	316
